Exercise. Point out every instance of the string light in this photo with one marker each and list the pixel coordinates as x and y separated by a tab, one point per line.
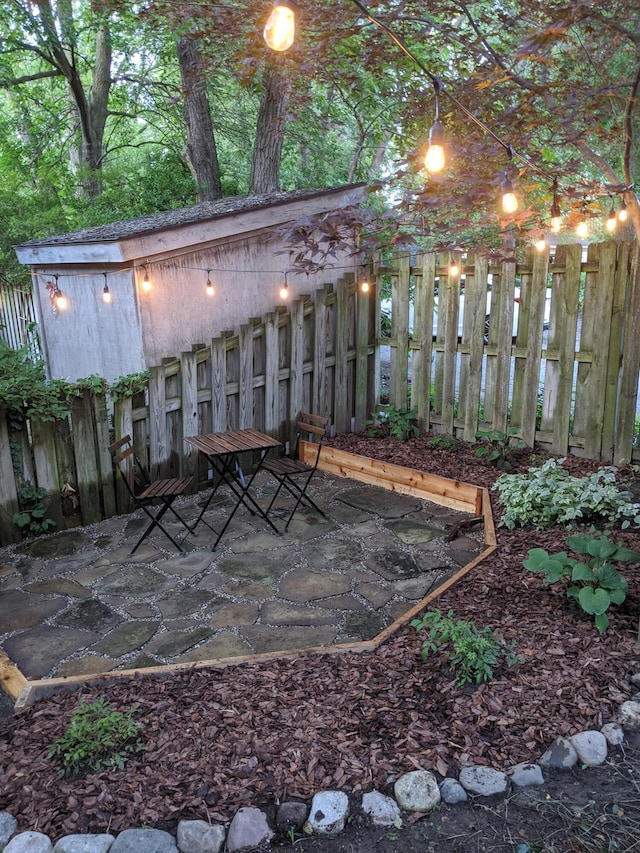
612	220
284	289
280	29
106	294
209	286
582	228
509	198
623	212
454	269
61	301
541	244
435	158
556	219
146	283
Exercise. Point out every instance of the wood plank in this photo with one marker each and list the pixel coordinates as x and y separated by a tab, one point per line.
245	377
9	532
43	437
399	351
158	450
616	342
475	309
449	290
189	410
218	384
537	298
628	382
271	373
362	302
296	388
12	681
86	459
423	338
501	333
319	381
342	413
408	481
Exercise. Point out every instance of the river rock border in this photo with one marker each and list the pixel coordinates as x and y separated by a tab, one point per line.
417	791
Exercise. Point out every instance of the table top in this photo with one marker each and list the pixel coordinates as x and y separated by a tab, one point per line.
235	441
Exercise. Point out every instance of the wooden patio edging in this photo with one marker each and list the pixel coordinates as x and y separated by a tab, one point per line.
440	490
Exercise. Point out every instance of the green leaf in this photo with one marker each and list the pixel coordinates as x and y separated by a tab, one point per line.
581	572
626	555
601	548
594	601
602	622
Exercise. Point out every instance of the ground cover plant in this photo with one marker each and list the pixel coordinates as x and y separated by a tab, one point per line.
254	734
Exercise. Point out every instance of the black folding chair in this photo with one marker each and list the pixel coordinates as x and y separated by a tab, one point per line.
289	469
145	493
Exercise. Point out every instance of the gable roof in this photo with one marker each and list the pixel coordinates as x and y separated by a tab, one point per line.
248	213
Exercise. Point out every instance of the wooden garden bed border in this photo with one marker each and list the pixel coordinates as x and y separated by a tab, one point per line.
457	495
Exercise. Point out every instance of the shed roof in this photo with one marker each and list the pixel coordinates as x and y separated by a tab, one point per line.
205	212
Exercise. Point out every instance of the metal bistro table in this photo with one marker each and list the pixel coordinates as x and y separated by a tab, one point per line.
222	450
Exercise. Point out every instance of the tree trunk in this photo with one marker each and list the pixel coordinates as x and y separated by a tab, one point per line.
200	151
270	129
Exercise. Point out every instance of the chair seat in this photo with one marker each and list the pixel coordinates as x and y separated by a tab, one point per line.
285	465
165	488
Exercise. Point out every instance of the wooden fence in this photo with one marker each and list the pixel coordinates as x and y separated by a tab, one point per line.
17	314
546	345
316	354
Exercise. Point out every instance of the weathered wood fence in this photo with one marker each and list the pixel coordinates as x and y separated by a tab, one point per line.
17	314
564	372
315	354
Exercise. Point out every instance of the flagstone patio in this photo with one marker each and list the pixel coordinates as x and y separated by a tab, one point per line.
75	603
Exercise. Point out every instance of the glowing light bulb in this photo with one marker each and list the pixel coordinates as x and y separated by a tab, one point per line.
509	198
623	213
61	301
210	288
146	284
106	294
434	160
364	286
280	29
612	220
582	229
454	269
541	244
556	219
284	291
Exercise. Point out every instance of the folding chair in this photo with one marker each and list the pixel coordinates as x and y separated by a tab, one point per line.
144	492
287	468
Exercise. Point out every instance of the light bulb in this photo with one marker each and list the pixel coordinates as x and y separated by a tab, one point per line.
280	29
364	286
454	269
623	212
210	288
61	301
284	291
541	244
582	229
106	294
611	220
434	160
509	199
146	284
556	219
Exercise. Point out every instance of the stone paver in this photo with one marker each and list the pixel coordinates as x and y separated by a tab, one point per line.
76	603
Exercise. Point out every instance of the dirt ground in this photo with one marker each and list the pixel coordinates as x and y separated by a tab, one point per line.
259	734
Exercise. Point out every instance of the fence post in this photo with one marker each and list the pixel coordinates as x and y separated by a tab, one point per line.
342	415
86	458
44	457
628	387
9	532
189	409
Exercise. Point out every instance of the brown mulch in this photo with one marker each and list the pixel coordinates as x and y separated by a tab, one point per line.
256	734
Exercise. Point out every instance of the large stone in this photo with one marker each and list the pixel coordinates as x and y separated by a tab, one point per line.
144	841
328	813
247	830
84	843
86	665
170	644
89	615
393	564
561	754
291	815
335	553
224	645
183	602
364	625
417	791
591	747
126	638
19	611
37	651
8	825
260	566
382	810
283	613
58	586
382	502
452	791
630	714
29	842
198	836
304	585
264	638
484	781
135	581
527	774
55	545
188	565
231	613
413	532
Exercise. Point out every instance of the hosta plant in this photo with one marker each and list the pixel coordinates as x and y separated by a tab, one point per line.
593	581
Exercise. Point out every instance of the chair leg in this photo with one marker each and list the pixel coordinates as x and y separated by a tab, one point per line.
299	492
155	522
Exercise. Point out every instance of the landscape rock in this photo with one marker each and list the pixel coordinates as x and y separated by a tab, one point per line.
417	791
29	842
382	810
248	829
560	755
452	792
84	843
483	780
8	825
527	774
630	714
591	747
328	813
613	733
291	815
198	836
144	841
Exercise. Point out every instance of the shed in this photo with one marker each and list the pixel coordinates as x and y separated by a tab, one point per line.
236	243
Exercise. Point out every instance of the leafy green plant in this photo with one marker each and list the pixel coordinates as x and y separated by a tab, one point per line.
97	737
496	446
31	518
472	652
443	442
594	581
24	391
550	495
129	386
398	423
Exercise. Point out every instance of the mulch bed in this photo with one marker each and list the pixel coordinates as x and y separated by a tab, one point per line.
256	734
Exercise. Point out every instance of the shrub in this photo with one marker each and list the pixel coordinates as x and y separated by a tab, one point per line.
398	423
496	446
97	737
472	652
550	495
594	582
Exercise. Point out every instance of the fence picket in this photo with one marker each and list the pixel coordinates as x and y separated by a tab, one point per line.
9	532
